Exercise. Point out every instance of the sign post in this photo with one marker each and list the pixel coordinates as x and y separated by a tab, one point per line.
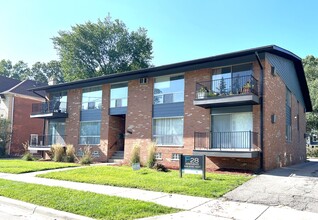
192	164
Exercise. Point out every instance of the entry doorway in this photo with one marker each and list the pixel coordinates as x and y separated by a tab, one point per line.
116	132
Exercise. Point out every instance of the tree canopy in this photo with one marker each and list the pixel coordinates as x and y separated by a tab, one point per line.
310	64
40	72
105	47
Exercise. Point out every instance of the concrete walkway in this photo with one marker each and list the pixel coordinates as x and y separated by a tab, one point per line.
195	207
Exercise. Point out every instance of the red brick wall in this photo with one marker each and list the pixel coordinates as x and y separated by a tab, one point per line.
72	122
23	125
139	118
277	151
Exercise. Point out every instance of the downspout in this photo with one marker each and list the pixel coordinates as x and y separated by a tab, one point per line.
44	120
46	98
261	111
11	121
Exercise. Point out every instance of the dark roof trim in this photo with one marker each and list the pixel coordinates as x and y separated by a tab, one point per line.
192	65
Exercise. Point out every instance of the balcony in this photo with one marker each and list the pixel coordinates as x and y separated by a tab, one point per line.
49	109
233	91
236	144
44	142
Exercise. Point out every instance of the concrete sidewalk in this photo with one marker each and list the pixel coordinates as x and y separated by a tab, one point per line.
195	207
11	209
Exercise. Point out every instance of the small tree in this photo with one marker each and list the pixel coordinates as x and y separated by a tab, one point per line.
5	135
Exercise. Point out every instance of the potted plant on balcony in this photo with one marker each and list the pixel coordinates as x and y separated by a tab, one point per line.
212	94
247	87
201	93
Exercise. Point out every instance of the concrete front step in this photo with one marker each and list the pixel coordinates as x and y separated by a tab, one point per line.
118	157
118	161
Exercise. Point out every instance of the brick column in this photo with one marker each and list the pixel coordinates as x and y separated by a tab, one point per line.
72	123
104	123
139	117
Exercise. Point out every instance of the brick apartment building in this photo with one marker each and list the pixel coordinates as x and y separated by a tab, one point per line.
15	106
243	110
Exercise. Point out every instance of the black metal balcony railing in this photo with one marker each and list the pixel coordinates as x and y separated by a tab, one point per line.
46	140
49	107
240	140
227	86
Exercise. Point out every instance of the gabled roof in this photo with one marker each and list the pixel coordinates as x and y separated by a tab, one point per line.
24	88
189	66
8	85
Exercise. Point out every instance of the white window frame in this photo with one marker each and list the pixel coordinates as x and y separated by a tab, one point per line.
175	156
172	93
158	156
80	136
120	98
168	145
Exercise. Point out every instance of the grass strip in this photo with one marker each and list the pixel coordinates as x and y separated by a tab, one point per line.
21	166
82	203
215	186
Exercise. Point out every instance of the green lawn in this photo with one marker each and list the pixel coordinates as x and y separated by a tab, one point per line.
83	203
215	186
21	166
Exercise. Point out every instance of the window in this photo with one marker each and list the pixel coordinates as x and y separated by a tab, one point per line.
175	156
288	115
169	89
92	98
158	156
232	130
118	95
56	132
232	79
90	132
168	131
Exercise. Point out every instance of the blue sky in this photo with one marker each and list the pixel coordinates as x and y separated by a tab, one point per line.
180	29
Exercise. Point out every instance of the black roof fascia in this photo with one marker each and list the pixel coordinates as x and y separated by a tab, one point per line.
207	62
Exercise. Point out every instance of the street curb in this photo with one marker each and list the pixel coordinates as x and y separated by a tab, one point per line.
41	210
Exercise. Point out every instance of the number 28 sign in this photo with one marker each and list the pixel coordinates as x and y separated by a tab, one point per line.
192	164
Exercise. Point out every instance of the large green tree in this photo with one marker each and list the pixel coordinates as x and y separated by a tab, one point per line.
19	71
105	47
310	64
42	72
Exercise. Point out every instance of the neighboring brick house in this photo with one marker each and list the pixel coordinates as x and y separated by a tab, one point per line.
243	110
16	106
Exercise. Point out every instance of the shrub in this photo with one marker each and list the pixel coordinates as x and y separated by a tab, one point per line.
160	167
312	151
57	152
86	159
27	155
70	153
135	155
151	155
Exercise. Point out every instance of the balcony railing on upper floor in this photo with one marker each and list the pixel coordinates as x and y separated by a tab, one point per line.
227	91
49	109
